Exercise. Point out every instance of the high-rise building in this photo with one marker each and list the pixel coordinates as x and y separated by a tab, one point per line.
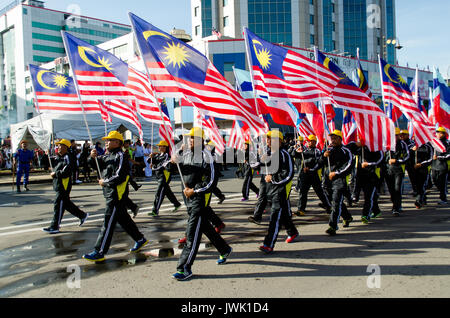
31	34
338	26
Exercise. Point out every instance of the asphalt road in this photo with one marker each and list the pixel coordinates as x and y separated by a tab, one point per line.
403	257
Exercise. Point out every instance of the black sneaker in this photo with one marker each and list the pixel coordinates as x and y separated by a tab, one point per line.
135	212
84	219
418	204
253	220
221	200
331	231
50	230
26	188
395	213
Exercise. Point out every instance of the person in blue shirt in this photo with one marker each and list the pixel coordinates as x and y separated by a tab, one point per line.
23	158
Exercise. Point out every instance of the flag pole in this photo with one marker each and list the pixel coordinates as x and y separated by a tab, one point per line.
155	97
79	98
40	119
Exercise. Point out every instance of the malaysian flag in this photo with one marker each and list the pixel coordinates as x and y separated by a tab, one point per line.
282	74
126	111
165	129
440	99
139	85
375	129
305	129
212	131
193	74
362	81
99	74
349	129
56	93
237	138
397	92
104	112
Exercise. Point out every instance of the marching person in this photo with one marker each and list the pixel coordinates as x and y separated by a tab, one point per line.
62	184
369	176
423	161
296	153
395	172
310	175
24	159
115	171
409	166
249	164
264	154
197	169
211	146
440	166
162	169
340	161
279	178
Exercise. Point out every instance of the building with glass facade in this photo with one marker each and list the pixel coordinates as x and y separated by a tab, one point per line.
339	26
31	34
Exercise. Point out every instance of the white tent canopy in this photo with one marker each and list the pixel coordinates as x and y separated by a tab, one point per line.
64	126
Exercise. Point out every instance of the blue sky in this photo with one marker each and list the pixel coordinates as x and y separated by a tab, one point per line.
421	25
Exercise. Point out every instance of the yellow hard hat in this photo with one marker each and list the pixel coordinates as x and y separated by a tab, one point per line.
337	133
312	137
64	142
275	134
247	142
114	135
397	131
163	143
211	143
196	132
405	132
300	138
441	129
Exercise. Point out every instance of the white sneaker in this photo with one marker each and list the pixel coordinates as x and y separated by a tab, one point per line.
78	181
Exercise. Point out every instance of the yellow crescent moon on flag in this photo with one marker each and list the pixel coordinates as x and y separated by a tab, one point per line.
82	52
326	63
361	75
41	82
148	34
386	70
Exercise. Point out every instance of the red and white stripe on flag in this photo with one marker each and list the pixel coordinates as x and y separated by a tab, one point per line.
212	131
168	135
148	108
100	86
125	111
64	104
376	132
104	113
215	97
237	139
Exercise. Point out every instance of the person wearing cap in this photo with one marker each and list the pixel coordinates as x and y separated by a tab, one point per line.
440	166
340	162
296	145
250	163
23	158
197	170
422	167
310	175
368	174
62	184
395	172
409	166
162	169
115	174
296	152
211	146
279	177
